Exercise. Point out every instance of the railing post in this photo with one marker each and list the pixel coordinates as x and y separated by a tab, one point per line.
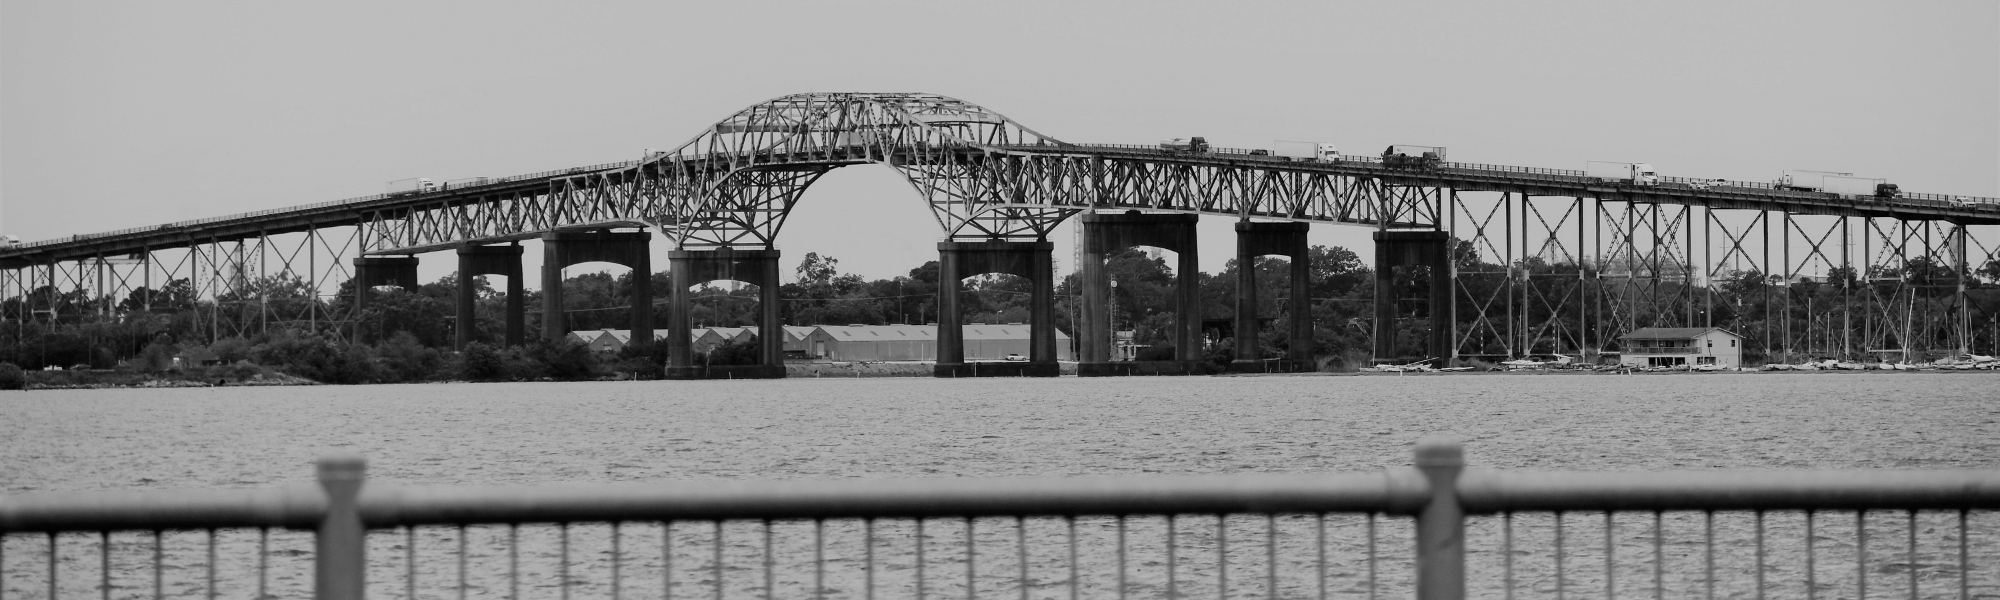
340	552
1441	525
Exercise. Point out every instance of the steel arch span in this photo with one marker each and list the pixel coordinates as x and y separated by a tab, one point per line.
983	175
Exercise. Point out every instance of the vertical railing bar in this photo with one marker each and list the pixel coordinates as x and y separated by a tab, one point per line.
159	584
1021	547
1173	586
770	563
667	560
819	559
1812	586
461	562
1964	583
1271	556
1560	584
210	566
717	567
1222	557
1759	515
1861	554
920	558
263	562
868	558
52	567
1507	555
1708	559
1371	556
1319	527
971	554
1911	519
562	557
1659	557
617	556
1071	521
514	561
1121	557
103	565
3	566
410	561
1610	583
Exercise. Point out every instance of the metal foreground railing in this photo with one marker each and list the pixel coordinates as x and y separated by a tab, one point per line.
1780	534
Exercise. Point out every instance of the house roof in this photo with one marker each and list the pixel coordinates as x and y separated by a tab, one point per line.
1671	333
927	332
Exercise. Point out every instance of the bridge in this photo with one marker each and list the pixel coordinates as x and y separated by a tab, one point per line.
1521	260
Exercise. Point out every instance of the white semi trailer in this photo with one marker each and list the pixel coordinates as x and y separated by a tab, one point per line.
1623	172
413	185
1807	181
1305	151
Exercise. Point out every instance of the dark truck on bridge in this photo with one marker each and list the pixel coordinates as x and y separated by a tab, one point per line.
1403	156
1839	184
1193	145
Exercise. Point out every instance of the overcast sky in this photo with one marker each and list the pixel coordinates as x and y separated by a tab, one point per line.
124	114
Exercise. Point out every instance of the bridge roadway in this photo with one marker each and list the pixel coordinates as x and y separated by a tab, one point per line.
1454	176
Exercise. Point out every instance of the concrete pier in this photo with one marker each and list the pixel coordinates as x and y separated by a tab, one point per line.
505	261
564	248
1033	260
1105	234
755	267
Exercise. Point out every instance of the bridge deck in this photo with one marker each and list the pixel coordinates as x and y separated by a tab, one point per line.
1458	176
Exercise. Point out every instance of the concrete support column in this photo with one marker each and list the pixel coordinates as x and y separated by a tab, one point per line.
1266	239
1426	248
1249	353
1033	260
505	261
755	267
950	317
372	271
1105	234
564	248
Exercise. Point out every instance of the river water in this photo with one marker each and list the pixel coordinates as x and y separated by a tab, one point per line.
845	428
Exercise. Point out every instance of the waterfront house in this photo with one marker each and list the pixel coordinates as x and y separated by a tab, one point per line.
1672	346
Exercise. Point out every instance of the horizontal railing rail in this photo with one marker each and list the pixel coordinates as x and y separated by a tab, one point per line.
1438	493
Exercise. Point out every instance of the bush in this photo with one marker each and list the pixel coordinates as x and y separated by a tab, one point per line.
156	357
735	353
11	377
403	358
643	362
563	360
230	350
320	359
1155	353
480	362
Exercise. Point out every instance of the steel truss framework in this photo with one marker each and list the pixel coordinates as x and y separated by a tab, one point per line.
1569	275
229	288
1565	264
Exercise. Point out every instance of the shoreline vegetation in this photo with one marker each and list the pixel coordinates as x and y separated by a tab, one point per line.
246	375
174	336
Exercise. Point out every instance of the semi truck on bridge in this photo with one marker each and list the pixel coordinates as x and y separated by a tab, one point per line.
1193	145
1404	156
1305	151
1837	183
1622	172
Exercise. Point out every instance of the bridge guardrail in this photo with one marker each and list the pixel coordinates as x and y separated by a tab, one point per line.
1452	541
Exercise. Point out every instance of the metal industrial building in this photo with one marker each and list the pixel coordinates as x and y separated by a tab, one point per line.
852	342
